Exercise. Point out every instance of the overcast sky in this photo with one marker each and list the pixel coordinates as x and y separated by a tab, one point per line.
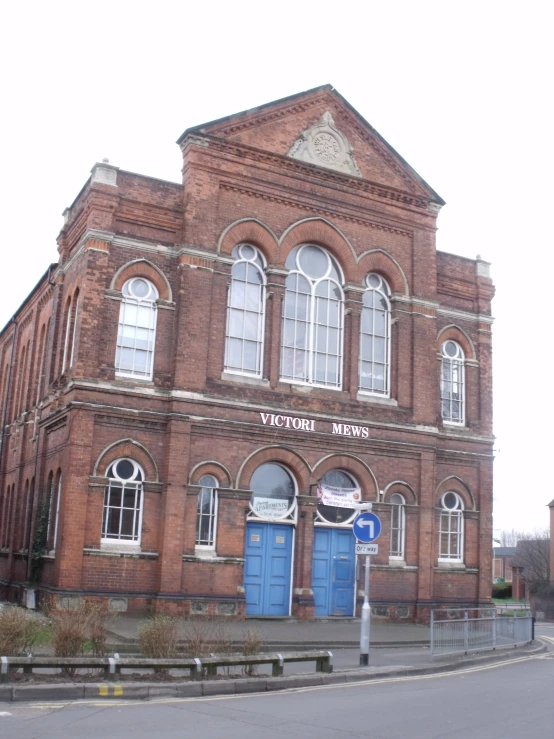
463	91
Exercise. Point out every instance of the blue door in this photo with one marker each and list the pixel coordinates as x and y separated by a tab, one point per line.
333	572
267	569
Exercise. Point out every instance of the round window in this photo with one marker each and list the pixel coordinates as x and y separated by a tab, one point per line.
273	493
332	514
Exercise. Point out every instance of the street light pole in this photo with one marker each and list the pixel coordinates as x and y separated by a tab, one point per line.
366	619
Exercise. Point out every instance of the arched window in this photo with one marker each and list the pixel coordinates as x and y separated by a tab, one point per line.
70	331
244	340
206	516
397	526
312	319
375	337
122	518
54	511
451	531
452	383
136	333
327	514
274	493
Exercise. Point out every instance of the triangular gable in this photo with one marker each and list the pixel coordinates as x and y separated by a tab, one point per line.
320	127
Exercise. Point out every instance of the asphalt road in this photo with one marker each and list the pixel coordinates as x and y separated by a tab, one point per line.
499	701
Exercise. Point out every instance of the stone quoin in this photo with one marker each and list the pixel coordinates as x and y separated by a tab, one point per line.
205	355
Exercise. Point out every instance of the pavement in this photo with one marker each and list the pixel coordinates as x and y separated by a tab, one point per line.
397	650
326	633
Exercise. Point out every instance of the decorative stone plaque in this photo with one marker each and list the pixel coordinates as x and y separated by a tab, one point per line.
325	145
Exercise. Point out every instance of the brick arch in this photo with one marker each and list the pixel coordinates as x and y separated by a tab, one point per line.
399	486
250	231
456	485
379	261
219	471
127	448
349	463
323	233
290	459
143	268
457	334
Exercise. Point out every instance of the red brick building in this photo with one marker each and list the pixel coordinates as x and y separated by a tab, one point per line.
205	354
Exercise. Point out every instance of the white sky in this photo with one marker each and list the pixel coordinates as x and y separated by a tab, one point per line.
463	91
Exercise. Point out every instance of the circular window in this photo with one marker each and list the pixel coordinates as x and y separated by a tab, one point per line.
451	501
140	289
332	514
273	495
125	469
451	349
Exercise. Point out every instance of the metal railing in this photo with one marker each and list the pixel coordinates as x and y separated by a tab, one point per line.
198	669
460	631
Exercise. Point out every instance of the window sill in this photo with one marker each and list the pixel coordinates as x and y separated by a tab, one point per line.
119	546
213	560
133	554
132	379
450	566
378	399
394	562
246	379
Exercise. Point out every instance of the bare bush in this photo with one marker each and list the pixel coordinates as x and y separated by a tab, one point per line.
19	630
158	637
205	638
98	629
251	646
69	631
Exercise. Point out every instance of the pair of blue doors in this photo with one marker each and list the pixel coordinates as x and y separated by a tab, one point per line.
268	566
267	569
333	572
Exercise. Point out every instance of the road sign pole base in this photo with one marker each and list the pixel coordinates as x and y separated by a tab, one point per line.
364	660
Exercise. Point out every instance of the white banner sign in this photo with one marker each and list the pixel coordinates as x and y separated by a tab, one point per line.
269	507
342	497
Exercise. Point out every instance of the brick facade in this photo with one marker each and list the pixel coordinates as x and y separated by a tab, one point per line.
67	414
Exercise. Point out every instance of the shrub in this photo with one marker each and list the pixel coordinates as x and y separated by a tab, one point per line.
70	631
502	590
19	631
252	645
205	638
157	638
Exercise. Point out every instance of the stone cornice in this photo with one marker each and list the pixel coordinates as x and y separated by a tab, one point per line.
243	404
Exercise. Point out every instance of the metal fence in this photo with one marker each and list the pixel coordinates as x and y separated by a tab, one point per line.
459	631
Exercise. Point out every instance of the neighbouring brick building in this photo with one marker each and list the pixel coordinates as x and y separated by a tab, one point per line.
205	355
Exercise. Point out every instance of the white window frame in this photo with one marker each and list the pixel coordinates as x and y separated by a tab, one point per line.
447	516
239	252
117	541
397	528
311	325
451	364
382	289
212	514
138	302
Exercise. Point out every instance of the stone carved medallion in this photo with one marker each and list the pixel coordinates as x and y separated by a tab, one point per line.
325	145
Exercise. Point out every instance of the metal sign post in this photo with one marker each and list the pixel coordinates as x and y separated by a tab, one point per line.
366	528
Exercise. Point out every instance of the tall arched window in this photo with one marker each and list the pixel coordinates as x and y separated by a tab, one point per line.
452	383
397	526
136	335
71	327
122	519
312	319
327	514
244	340
451	530
375	337
206	513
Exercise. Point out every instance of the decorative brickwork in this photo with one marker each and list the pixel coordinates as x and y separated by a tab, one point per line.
267	441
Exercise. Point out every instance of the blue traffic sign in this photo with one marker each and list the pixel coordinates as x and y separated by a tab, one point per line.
366	527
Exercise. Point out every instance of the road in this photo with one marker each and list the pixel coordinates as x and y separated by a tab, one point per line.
500	701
